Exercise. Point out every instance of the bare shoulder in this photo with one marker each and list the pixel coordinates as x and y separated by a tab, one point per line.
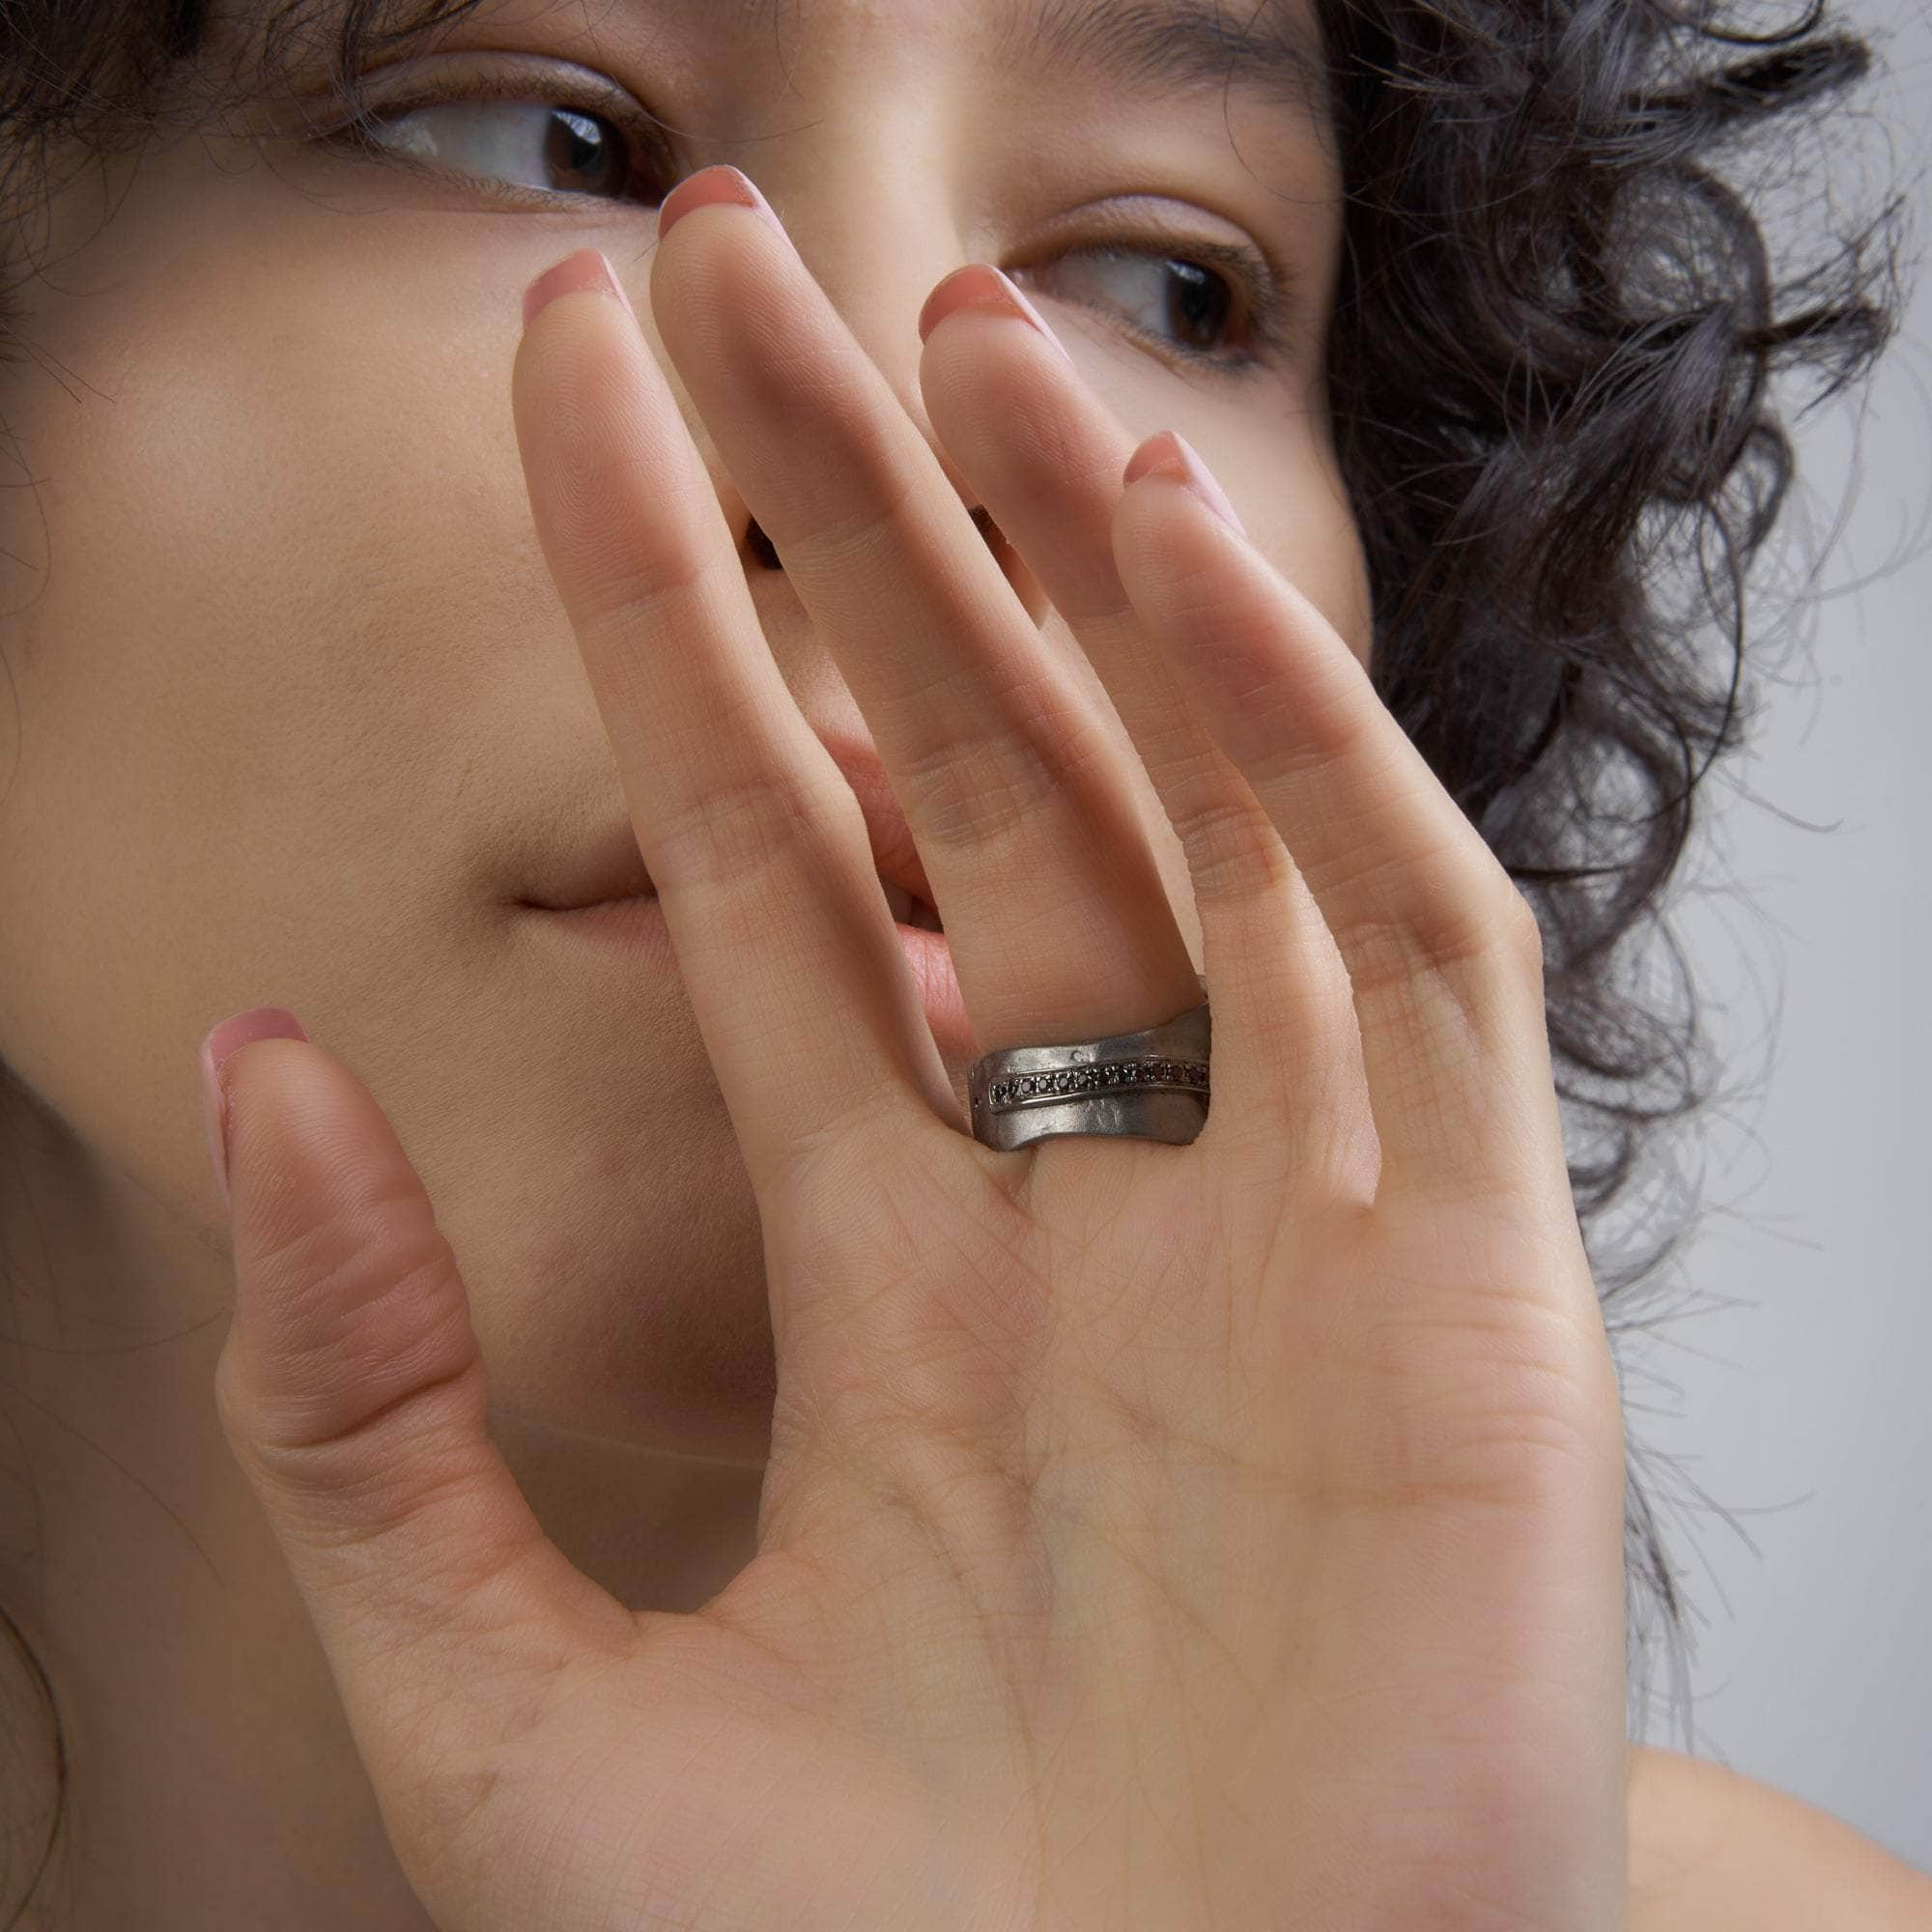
1711	1848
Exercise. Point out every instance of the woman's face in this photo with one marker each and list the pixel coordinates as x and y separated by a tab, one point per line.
299	717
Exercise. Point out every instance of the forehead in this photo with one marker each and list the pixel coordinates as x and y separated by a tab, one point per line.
1262	52
1270	50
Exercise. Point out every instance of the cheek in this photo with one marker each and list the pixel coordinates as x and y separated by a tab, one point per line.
217	663
251	681
1275	457
1321	552
1299	515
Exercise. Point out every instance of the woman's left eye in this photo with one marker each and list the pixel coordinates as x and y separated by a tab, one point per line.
476	136
1187	300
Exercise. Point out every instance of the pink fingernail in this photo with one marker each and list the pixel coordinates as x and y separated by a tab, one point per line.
714	184
237	1031
1169	454
980	285
586	269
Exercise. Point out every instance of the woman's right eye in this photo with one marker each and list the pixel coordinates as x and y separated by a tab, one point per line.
522	148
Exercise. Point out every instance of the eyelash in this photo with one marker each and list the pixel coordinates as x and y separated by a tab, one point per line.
1262	291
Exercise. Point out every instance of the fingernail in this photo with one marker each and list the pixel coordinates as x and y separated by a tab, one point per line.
712	185
979	285
1169	454
586	269
257	1023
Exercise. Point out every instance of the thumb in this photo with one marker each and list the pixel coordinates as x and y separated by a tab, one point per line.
351	1389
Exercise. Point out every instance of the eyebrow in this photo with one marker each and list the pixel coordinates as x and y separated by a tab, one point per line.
1158	46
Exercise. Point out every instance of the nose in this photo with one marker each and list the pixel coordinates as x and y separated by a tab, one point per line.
875	232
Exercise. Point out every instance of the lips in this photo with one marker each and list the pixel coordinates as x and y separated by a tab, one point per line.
895	857
611	866
607	866
907	910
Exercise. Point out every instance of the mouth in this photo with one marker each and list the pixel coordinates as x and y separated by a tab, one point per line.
609	868
906	908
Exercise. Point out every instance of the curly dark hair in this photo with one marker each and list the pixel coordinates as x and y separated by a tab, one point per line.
1549	369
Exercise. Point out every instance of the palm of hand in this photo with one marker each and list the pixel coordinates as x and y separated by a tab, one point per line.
1219	1587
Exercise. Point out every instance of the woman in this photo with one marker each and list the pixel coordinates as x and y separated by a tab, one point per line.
650	1421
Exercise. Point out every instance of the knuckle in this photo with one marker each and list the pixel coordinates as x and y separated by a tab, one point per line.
737	827
855	521
630	593
1517	926
388	1315
1233	851
980	792
1440	915
381	1349
628	583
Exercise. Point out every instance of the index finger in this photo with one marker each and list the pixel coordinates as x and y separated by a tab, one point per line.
756	845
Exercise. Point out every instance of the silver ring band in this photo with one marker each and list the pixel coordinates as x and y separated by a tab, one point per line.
1150	1085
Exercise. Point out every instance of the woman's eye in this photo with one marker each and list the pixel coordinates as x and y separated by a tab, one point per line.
1181	304
534	151
539	148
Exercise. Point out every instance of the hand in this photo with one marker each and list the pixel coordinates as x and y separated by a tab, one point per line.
1207	1538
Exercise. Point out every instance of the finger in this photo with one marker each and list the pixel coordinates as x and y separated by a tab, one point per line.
754	841
351	1392
1443	954
1016	791
1046	457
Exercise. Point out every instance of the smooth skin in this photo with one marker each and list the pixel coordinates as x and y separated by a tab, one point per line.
293	714
1214	1537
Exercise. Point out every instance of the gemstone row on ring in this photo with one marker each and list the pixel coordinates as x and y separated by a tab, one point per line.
1188	1074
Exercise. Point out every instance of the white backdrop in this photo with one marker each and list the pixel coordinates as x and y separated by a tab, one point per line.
1795	1388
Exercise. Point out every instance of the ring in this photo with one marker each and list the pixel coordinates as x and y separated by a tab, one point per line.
1150	1085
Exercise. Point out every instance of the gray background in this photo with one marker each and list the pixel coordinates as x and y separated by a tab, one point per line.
1787	1391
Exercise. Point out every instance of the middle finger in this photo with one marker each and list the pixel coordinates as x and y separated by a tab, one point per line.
1019	794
